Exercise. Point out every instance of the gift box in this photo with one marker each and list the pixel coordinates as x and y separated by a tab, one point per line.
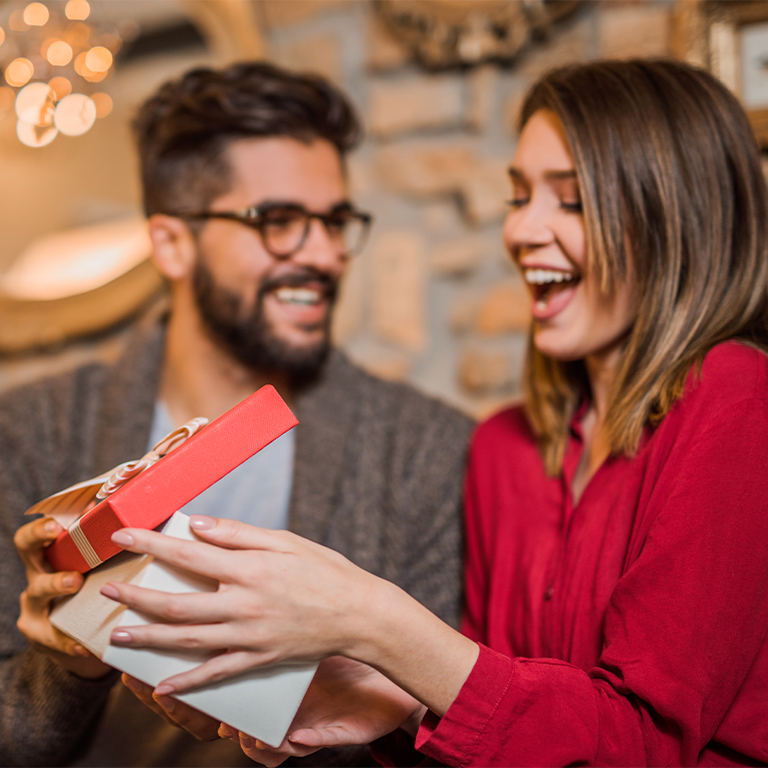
145	499
261	703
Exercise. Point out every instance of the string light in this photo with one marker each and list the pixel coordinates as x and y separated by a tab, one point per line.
36	15
49	54
77	10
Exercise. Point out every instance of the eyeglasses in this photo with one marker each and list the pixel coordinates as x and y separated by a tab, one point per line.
284	227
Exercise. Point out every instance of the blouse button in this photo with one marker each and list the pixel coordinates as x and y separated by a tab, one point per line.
550	591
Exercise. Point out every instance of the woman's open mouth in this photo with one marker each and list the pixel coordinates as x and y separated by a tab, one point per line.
552	289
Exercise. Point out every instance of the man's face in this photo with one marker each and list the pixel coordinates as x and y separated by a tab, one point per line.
272	314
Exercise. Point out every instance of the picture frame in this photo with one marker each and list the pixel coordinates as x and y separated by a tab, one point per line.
730	38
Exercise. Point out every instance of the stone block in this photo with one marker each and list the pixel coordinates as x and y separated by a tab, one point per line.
320	54
634	30
482	96
505	308
349	310
425	170
461	256
416	104
512	109
399	312
567	43
281	13
486	190
481	370
440	218
378	360
463	313
384	52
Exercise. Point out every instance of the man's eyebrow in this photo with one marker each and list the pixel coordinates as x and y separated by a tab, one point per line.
341	205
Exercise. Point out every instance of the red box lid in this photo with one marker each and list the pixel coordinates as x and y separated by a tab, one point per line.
154	495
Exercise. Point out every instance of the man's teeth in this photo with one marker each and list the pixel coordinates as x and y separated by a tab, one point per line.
303	296
544	276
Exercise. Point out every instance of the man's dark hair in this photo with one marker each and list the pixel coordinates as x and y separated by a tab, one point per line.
183	131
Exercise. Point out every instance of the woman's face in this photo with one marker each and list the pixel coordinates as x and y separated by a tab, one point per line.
545	235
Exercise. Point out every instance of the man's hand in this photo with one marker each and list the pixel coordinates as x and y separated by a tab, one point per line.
43	587
347	703
176	712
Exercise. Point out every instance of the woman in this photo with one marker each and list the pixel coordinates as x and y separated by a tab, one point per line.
617	535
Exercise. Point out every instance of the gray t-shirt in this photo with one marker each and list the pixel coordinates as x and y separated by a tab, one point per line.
256	492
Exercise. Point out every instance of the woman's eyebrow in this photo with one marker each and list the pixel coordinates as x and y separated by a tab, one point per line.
570	173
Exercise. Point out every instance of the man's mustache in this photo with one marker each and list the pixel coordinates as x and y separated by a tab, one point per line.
328	284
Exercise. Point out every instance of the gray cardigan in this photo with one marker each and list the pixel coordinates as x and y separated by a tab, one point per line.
378	475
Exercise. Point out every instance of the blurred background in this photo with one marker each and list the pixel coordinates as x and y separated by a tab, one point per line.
433	300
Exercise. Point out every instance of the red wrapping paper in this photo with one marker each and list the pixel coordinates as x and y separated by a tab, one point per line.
152	497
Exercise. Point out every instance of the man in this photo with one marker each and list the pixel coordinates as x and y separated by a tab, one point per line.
245	190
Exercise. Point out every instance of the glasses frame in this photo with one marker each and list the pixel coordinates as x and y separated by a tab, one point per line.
255	218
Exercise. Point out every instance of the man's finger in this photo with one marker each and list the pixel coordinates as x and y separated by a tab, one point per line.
200	725
143	693
45	587
31	538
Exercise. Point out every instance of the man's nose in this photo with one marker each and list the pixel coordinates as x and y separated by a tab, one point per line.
321	250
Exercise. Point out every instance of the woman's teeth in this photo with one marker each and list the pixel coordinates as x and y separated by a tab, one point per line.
544	276
302	296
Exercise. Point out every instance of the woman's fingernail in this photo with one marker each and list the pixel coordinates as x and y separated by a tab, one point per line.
259	744
246	742
68	581
110	591
226	732
134	684
164	689
122	539
202	522
121	636
166	702
51	526
80	651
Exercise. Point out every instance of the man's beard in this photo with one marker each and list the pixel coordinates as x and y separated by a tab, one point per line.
249	338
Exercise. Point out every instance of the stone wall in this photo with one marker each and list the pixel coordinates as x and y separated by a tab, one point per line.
434	299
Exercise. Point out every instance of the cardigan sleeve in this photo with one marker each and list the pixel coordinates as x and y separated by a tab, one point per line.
684	639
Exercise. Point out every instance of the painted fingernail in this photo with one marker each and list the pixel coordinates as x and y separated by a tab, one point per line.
110	591
164	689
51	526
121	636
202	522
166	702
122	539
134	684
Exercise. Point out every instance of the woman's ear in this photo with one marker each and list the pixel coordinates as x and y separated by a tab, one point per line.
173	246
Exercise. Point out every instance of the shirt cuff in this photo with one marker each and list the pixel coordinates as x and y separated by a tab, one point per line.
453	738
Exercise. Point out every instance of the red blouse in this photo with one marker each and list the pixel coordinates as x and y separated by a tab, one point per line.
631	628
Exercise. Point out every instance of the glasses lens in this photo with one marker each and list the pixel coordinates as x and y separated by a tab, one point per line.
283	230
347	230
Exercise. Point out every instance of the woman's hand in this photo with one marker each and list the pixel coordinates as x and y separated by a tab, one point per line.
280	597
347	703
43	587
283	598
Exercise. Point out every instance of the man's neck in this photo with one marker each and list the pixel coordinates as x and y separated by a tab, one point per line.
200	378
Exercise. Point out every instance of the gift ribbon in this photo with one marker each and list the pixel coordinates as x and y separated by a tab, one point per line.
123	474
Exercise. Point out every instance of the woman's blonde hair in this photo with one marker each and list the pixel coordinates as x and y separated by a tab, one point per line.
673	193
